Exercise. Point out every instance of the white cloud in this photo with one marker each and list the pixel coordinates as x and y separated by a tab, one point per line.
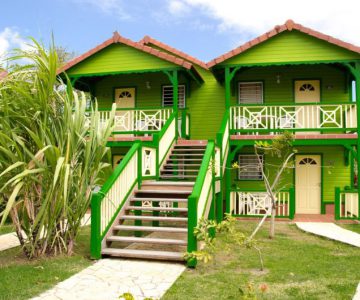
110	7
176	7
251	18
10	39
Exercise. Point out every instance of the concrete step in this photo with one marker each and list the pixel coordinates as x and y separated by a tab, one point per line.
145	240
184	159
150	228
144	254
188	149
177	209
154	218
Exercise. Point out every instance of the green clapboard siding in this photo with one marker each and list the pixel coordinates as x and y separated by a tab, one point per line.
104	89
333	81
206	106
292	46
119	58
335	172
205	102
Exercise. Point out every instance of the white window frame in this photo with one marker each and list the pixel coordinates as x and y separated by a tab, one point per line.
241	172
250	83
181	96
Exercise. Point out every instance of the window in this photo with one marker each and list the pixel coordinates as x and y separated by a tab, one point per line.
307	87
250	92
168	96
250	168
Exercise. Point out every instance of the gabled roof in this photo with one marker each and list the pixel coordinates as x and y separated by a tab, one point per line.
149	40
289	26
117	38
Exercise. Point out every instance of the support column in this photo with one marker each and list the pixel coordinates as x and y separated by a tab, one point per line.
173	77
227	87
354	68
229	75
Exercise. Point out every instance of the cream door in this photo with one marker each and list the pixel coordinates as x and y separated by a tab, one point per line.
307	91
308	184
124	119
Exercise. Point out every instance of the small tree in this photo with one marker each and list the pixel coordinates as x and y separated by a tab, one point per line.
282	147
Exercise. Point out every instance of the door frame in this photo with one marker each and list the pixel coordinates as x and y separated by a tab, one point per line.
322	206
125	87
304	79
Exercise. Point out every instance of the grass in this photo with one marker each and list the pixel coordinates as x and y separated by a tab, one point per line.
352	227
6	229
297	266
23	279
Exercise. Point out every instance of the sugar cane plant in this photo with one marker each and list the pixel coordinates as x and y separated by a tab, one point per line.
51	156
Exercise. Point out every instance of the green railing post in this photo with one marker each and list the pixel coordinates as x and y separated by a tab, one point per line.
95	240
292	203
212	212
227	185
183	124
139	164
219	205
192	223
337	203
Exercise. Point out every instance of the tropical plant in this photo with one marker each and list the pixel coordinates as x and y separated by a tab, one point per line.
52	153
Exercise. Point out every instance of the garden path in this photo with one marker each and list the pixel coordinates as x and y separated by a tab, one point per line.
10	240
107	279
331	231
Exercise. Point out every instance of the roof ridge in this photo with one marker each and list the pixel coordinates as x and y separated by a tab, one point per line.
117	38
150	40
289	25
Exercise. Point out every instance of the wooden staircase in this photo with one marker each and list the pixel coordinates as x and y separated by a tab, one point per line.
184	161
153	223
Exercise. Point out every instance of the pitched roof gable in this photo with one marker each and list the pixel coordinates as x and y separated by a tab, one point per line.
149	40
288	26
117	38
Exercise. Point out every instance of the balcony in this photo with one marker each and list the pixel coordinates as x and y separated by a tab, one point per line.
309	118
141	124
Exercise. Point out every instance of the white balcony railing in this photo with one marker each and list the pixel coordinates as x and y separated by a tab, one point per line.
276	118
136	120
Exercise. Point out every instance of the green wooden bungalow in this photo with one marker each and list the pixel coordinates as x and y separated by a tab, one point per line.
181	123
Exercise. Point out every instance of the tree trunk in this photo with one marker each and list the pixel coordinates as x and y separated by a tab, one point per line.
272	222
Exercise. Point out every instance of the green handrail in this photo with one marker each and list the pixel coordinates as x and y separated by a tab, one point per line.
96	199
220	137
195	195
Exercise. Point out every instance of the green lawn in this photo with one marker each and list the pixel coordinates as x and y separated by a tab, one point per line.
6	229
352	227
297	266
23	279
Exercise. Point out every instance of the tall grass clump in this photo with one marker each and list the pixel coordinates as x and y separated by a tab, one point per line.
51	156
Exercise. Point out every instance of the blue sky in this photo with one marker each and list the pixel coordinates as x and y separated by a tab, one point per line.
203	28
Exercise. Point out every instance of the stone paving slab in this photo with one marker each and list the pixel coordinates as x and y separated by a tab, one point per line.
357	293
10	240
107	279
331	231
